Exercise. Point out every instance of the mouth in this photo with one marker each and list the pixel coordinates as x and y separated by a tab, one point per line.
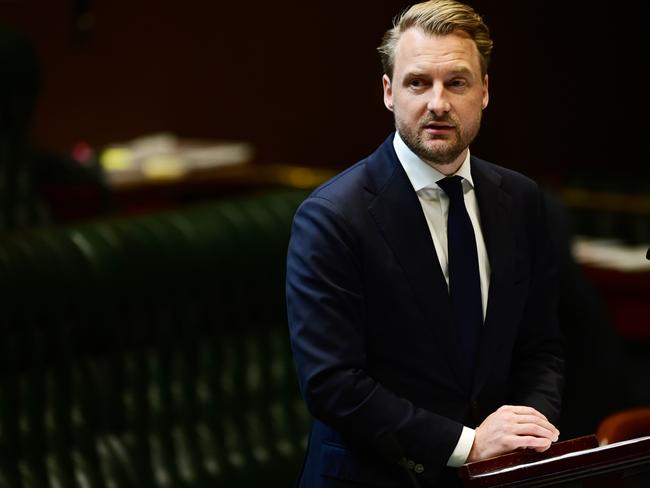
438	128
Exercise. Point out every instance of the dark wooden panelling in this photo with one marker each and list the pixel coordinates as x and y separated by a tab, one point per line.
302	80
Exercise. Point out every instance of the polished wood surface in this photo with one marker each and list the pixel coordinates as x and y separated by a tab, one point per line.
617	466
472	470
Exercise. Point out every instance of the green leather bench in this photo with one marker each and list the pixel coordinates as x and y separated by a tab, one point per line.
151	351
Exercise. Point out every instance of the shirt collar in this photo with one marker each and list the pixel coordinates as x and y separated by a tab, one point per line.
420	174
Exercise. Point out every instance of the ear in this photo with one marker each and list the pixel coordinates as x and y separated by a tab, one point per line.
486	93
388	92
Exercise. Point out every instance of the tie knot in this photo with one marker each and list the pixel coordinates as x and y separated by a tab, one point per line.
453	187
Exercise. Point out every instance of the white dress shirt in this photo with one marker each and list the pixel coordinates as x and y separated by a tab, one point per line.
435	204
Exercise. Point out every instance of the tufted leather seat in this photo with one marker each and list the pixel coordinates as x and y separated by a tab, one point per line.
151	350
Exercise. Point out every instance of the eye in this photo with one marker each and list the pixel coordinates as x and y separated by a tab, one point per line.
458	83
417	83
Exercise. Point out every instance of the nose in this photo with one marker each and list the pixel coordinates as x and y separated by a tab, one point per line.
438	103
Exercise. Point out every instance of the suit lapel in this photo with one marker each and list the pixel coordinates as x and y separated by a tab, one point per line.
495	209
399	215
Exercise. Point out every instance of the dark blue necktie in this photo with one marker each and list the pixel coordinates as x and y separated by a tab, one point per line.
464	278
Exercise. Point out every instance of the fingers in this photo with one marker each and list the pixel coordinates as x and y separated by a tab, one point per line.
530	425
529	442
534	430
539	444
523	410
528	421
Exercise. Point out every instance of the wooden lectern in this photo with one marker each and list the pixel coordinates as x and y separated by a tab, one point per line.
574	463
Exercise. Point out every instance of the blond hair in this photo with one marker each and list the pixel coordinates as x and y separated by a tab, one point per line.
437	17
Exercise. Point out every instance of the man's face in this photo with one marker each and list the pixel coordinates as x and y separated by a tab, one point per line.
437	95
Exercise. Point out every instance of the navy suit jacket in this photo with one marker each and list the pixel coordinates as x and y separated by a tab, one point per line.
379	364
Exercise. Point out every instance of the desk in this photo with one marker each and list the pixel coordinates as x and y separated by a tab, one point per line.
571	464
144	195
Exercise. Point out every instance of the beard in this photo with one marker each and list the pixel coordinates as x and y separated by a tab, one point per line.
437	150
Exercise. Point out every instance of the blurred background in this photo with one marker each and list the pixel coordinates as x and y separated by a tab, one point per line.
139	140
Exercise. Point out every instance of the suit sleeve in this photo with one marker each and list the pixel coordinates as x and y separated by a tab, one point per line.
327	322
538	364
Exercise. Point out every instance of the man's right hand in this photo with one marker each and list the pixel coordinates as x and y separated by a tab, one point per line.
510	428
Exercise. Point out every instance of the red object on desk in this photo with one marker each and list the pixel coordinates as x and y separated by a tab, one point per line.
627	296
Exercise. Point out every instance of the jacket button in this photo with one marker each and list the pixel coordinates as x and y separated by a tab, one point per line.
419	469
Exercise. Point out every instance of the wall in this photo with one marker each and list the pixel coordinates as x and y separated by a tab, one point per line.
302	81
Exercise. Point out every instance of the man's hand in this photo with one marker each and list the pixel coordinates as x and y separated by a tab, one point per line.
510	428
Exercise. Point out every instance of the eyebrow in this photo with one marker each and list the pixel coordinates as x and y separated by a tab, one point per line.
459	70
456	70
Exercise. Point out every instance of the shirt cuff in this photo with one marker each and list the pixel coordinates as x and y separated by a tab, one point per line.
461	452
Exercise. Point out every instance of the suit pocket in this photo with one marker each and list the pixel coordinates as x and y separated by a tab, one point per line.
342	464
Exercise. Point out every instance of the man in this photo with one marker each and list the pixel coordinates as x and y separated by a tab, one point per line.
422	308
